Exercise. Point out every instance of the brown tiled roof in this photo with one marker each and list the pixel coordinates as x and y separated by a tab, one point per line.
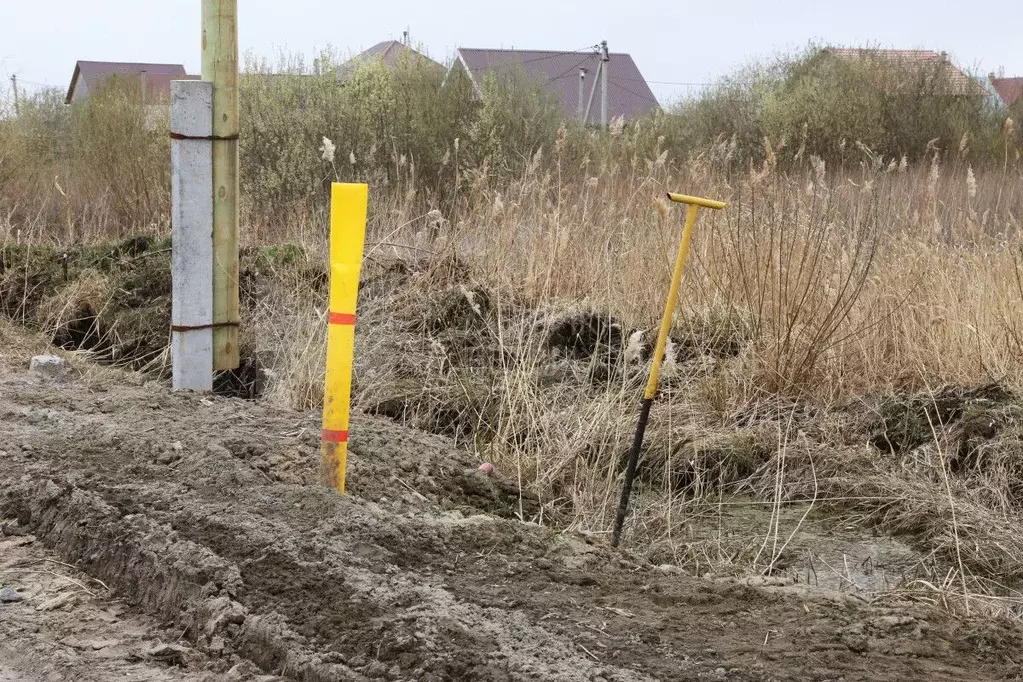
629	95
389	52
158	76
906	62
1009	89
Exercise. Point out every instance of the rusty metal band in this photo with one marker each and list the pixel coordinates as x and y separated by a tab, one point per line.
194	327
210	138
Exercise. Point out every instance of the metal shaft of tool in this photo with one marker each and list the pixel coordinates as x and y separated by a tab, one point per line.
655	372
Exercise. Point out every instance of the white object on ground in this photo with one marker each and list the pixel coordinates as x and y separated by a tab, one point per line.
49	365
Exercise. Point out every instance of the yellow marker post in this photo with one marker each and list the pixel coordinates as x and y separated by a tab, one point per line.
693	208
347	237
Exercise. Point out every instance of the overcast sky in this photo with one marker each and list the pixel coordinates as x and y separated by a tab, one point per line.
673	43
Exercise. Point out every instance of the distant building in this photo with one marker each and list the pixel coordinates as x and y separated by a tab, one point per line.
1010	90
390	53
912	70
629	96
156	78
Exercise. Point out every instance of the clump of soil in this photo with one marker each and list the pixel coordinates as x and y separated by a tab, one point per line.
903	423
584	334
461	306
709	463
459	405
714	333
112	300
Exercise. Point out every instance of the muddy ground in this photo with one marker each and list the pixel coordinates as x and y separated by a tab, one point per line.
195	524
65	625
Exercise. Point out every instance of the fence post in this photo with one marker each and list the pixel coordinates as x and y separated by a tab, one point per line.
220	66
191	125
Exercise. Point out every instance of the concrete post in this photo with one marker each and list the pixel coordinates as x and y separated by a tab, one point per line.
191	125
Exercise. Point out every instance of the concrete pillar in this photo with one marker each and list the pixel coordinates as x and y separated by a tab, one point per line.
192	233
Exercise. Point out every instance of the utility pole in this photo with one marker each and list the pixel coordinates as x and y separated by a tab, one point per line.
220	66
604	59
582	91
17	106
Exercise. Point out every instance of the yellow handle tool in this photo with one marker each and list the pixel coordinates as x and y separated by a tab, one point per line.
693	208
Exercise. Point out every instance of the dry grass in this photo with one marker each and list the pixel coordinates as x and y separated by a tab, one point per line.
823	305
829	294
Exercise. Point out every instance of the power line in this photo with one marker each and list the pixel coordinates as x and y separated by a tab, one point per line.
552	55
569	70
692	85
644	80
634	93
39	85
547	55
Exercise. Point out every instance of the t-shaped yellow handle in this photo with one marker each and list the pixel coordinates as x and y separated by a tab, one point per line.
696	201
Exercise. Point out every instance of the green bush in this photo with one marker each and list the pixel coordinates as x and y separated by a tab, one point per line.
122	148
387	124
822	105
64	170
516	119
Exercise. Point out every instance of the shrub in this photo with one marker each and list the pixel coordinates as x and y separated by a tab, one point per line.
100	166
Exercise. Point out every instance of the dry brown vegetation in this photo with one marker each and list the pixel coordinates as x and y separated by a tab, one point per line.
848	340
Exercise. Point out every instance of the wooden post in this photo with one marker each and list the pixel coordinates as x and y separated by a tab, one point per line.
220	66
191	124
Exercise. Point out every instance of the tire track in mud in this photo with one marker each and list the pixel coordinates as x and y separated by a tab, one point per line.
335	611
325	619
204	514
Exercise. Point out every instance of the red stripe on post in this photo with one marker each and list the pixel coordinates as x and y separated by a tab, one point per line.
341	318
332	436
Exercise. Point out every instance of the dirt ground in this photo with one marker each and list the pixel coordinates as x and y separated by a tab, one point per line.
195	544
67	625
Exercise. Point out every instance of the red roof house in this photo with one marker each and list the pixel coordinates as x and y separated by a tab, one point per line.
894	68
1009	89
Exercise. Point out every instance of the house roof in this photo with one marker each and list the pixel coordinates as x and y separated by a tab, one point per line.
158	76
1009	89
629	96
390	52
914	61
